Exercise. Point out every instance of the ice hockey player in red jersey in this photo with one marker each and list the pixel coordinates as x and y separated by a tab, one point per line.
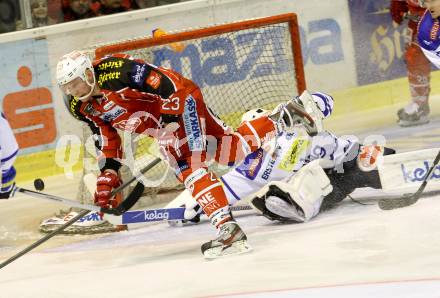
418	66
120	92
8	154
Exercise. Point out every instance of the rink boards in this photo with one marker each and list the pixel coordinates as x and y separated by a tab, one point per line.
407	171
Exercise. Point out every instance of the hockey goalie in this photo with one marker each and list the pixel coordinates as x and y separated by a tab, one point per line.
298	175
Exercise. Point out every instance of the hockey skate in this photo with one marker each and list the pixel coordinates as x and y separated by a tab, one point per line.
231	240
413	114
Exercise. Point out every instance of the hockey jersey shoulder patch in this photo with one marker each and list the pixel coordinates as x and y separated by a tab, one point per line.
252	164
154	79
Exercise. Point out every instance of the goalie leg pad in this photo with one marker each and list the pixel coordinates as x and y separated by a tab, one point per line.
302	195
286	209
259	203
278	205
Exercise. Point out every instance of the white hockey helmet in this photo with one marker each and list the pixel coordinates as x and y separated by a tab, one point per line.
72	66
254	114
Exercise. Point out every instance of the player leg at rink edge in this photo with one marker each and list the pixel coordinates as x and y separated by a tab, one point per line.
416	112
291	182
108	95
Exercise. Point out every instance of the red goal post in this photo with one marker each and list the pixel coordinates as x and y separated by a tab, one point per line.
238	66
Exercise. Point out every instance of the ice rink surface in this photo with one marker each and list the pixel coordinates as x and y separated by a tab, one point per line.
351	251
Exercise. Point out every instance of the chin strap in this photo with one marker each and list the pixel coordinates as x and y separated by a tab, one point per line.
92	88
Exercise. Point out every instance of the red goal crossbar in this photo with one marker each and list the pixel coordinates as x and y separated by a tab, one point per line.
289	18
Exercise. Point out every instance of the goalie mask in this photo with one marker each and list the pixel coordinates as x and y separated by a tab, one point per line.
71	69
254	114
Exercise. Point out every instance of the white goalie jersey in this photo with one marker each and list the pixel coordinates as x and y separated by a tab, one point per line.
293	151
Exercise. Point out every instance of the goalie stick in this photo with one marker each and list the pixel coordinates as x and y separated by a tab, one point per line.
127	217
409	199
160	214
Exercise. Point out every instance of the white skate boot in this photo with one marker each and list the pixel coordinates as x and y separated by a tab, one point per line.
413	114
231	240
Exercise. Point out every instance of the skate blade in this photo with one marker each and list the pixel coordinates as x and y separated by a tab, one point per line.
405	123
236	248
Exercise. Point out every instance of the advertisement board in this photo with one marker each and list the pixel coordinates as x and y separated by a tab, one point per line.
378	42
26	94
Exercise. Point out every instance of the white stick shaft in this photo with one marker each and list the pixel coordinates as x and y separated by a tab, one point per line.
49	197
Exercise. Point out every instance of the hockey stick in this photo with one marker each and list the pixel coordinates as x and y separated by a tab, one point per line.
128	217
45	196
135	194
151	215
130	201
409	199
44	239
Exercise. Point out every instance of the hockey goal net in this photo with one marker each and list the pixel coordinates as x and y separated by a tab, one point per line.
238	66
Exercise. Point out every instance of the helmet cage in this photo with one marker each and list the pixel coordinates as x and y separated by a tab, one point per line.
254	114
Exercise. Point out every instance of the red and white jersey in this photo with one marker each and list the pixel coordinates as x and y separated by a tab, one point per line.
135	97
415	8
139	97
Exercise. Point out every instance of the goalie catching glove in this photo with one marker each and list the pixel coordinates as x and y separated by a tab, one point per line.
107	181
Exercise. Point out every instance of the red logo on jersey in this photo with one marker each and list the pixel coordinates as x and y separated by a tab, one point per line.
154	79
128	125
434	30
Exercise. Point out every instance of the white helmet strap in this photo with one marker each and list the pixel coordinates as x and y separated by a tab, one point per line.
90	84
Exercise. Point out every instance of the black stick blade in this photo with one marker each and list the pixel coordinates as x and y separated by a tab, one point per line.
397	202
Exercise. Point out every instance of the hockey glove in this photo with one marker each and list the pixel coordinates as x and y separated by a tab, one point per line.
106	182
192	211
398	8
